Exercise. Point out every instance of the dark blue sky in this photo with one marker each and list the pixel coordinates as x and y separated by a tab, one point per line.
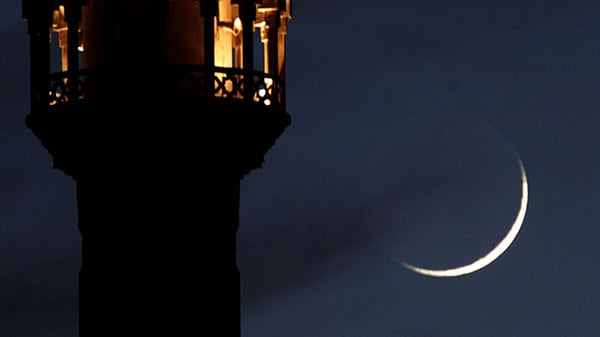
405	119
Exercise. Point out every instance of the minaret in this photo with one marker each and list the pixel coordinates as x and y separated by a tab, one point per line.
157	109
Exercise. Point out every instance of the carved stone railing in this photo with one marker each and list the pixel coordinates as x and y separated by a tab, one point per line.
60	90
228	83
189	80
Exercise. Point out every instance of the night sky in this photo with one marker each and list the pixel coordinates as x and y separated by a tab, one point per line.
407	120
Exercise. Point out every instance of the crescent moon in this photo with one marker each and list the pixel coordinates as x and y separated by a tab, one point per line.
494	253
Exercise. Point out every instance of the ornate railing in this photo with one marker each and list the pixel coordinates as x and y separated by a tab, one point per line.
188	80
232	83
60	90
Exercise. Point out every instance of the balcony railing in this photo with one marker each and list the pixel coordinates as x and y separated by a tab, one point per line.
60	91
187	80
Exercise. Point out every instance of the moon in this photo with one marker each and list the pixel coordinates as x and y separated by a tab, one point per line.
494	253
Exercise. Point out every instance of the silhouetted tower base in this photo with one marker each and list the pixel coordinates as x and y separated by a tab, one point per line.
157	149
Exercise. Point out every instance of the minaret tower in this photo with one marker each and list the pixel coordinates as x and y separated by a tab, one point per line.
157	109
